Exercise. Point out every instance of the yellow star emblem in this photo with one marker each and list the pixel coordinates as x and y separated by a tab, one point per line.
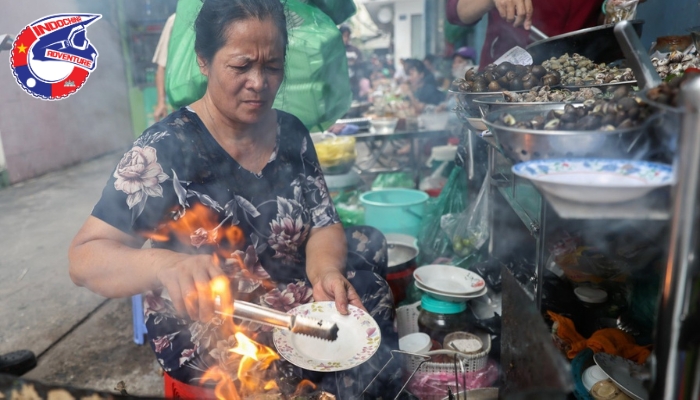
22	48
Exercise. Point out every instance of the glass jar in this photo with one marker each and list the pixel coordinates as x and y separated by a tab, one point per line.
438	318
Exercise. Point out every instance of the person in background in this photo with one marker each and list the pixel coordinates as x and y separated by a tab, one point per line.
359	81
349	48
462	61
432	64
160	57
400	72
510	20
421	88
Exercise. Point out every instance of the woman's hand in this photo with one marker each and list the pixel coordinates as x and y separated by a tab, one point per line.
160	111
519	12
332	286
189	285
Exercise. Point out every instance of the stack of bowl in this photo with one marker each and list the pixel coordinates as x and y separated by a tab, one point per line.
449	283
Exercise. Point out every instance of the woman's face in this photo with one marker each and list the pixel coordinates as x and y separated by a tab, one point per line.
414	77
460	65
247	71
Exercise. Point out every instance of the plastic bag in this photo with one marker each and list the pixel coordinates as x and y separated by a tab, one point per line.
316	87
468	231
389	180
349	208
338	10
336	154
184	83
432	240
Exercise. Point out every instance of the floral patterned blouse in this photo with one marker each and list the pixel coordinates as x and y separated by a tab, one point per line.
178	187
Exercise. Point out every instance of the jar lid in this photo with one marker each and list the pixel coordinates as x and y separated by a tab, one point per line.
433	305
591	295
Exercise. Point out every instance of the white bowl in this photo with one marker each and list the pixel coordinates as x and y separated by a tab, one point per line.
401	238
434	122
454	298
417	343
448	279
593	375
591	180
384	125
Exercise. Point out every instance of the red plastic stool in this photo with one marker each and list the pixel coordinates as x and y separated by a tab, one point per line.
175	389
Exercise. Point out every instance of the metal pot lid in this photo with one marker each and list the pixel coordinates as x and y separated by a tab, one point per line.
400	253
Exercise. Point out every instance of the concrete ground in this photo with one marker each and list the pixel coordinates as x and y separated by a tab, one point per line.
81	339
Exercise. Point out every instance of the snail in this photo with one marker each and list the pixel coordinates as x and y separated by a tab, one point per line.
577	70
598	114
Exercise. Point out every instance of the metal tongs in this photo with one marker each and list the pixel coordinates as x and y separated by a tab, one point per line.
295	323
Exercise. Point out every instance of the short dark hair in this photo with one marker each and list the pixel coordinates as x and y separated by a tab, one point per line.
431	58
344	28
416	64
216	16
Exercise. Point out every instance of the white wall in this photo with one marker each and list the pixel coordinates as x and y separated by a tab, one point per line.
2	158
403	10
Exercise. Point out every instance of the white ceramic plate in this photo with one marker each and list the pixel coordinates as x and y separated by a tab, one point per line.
624	373
449	279
358	339
452	297
595	180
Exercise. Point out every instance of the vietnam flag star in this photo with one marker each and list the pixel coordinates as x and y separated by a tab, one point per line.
22	48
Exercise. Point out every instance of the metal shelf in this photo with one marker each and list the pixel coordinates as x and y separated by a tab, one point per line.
524	199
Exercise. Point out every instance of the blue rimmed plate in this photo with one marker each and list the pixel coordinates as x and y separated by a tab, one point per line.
588	180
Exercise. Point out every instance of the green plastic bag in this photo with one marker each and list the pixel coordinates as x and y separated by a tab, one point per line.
387	180
349	208
338	10
432	239
184	83
316	88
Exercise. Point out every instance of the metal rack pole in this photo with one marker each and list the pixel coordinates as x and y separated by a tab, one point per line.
540	260
673	305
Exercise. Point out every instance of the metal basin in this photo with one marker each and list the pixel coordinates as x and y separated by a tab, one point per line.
531	144
497	103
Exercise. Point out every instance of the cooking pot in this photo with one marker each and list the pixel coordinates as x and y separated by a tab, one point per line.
401	262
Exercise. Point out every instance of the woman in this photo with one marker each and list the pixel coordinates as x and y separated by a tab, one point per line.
421	89
228	186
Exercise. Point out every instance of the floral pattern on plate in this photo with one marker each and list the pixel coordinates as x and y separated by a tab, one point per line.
649	172
358	339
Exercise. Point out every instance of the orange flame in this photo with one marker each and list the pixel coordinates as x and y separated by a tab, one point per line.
200	226
225	388
257	358
303	387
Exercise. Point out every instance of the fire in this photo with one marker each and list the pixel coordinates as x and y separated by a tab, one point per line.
256	369
254	359
200	226
303	387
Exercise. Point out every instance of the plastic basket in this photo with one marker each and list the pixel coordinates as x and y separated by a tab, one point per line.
407	322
